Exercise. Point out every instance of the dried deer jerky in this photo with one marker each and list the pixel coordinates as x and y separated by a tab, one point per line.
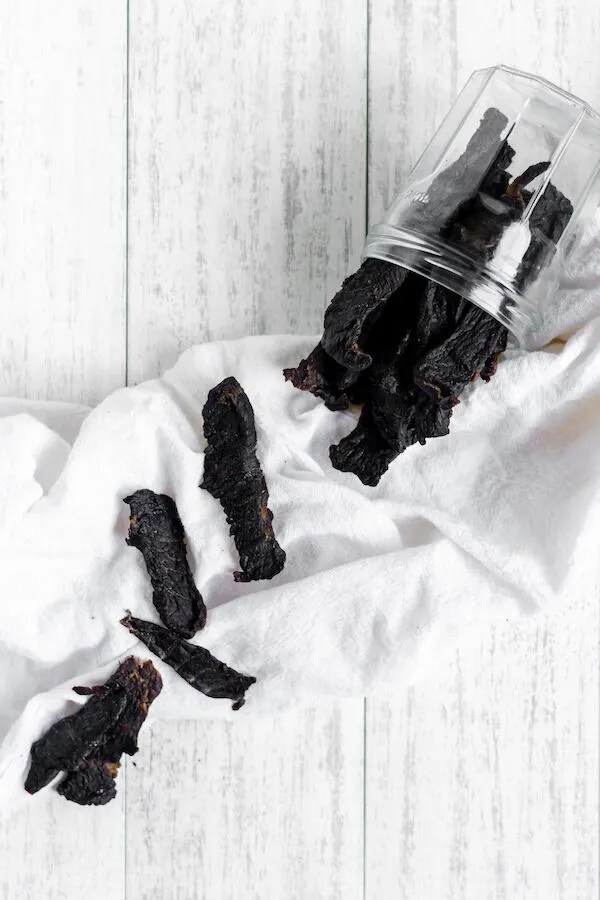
484	157
232	474
354	311
88	744
417	345
194	664
156	530
66	743
398	414
319	374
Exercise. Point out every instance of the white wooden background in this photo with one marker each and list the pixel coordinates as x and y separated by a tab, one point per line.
173	171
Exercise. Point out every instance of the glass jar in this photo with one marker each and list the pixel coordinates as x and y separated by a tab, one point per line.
497	203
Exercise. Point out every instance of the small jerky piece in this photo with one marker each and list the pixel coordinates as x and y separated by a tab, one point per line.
514	191
89	743
156	530
445	371
397	414
196	665
491	364
412	418
322	376
232	474
363	452
480	221
497	179
91	784
464	177
141	684
549	218
354	311
70	740
436	316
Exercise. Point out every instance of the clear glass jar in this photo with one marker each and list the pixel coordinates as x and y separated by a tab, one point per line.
497	203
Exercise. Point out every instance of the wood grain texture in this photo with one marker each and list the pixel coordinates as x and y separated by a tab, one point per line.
62	263
247	204
483	780
62	198
247	168
557	39
412	81
251	810
57	850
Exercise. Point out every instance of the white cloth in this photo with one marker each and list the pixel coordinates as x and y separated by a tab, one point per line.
497	520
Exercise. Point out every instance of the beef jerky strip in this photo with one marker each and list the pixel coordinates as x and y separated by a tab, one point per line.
322	376
397	414
156	530
484	154
339	387
549	218
354	310
89	743
474	346
196	665
480	221
92	783
232	474
447	369
67	743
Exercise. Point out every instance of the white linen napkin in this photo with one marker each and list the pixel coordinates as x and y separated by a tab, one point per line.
498	520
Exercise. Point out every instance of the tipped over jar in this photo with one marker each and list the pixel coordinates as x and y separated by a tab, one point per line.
499	199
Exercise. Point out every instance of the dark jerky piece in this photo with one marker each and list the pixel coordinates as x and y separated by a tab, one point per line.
91	784
549	218
483	155
196	665
398	414
491	363
156	530
354	311
367	454
480	221
67	743
88	745
322	376
232	474
416	369
445	371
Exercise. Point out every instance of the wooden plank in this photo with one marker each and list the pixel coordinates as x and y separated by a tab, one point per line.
247	198
557	39
482	781
60	851
62	259
252	810
247	209
412	81
62	198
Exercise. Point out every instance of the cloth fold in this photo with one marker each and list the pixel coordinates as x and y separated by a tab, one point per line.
497	520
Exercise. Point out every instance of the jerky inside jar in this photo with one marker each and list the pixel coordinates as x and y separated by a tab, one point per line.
466	258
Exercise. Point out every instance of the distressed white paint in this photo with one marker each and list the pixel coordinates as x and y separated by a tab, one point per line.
482	781
247	206
62	198
247	198
255	810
